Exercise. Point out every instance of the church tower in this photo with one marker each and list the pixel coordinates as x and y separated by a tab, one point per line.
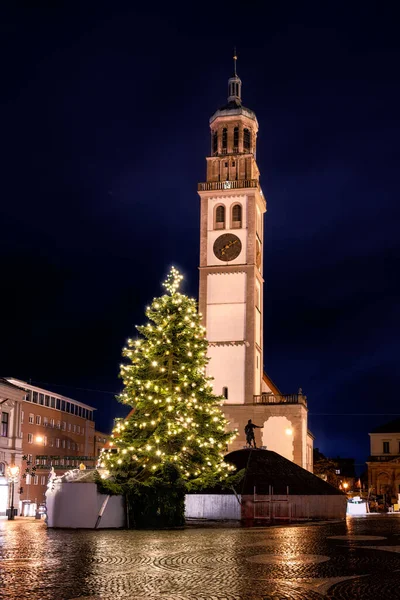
231	238
231	283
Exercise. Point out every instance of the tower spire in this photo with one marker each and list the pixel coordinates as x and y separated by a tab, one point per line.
235	84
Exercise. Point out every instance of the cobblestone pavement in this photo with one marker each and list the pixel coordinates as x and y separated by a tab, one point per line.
357	558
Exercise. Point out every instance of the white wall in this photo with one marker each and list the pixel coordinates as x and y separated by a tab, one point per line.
226	308
275	437
77	505
226	322
377	440
226	366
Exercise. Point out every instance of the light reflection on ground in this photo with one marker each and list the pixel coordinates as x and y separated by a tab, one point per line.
307	562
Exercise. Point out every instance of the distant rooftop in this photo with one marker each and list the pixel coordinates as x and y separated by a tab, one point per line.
34	388
391	427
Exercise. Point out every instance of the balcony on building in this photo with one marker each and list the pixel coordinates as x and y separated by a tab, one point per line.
269	398
228	185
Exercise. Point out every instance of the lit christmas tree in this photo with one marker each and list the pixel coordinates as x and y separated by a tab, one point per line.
176	438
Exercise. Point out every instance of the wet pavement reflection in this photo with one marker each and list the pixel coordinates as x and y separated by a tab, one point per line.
357	558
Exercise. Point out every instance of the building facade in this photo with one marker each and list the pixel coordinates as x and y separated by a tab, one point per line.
384	460
232	207
11	402
56	432
100	441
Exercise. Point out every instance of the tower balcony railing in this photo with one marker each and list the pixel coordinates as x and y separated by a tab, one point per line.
268	398
228	185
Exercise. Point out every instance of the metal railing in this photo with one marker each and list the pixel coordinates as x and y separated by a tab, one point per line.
227	185
268	398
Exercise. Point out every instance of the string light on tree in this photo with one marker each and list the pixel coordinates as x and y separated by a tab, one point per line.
164	381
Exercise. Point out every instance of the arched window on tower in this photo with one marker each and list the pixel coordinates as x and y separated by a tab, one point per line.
235	139
219	217
236	216
246	140
215	142
224	140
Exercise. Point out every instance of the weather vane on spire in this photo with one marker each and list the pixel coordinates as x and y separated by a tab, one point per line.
234	61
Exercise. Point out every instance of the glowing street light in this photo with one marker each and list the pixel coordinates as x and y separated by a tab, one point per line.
13	473
289	431
39	439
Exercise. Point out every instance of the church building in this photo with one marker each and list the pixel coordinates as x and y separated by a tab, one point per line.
231	287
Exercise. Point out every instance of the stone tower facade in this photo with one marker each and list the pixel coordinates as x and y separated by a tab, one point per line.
231	285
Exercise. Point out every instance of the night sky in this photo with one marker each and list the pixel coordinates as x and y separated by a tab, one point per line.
104	135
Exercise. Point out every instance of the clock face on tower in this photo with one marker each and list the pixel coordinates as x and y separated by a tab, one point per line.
227	247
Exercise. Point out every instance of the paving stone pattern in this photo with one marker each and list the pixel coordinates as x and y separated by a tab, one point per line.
298	562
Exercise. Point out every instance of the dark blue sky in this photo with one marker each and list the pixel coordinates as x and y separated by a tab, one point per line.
104	131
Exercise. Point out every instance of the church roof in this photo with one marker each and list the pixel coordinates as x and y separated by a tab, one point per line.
274	388
391	427
233	108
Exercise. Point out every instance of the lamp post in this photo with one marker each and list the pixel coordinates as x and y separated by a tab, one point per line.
13	473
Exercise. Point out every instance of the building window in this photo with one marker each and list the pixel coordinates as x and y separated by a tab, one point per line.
58	403
226	165
224	140
236	216
69	445
38	419
83	431
73	428
58	424
28	397
35	480
41	399
51	442
4	424
386	448
52	402
64	425
225	392
215	142
30	438
246	140
51	422
35	397
45	421
220	217
28	480
22	416
63	443
47	400
235	139
57	442
45	440
31	418
69	426
78	428
43	480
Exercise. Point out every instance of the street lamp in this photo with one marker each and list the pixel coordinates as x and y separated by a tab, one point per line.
13	474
